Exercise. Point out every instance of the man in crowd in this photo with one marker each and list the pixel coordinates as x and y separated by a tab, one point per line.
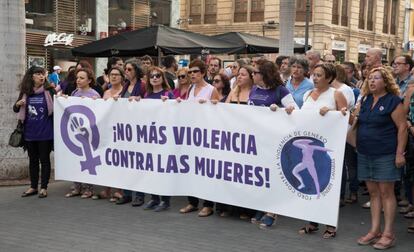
214	66
54	78
329	58
257	57
373	58
171	67
314	58
146	62
350	72
402	66
282	63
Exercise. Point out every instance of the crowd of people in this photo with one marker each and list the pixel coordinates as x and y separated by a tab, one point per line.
379	97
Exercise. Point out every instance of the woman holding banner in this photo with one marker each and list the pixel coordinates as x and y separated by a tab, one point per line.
269	91
202	92
324	98
381	141
157	88
183	84
35	109
244	83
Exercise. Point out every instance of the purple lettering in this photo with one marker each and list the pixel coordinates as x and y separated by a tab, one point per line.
128	132
197	138
120	131
211	165
160	169
215	139
225	140
131	157
178	135
115	157
163	137
227	171
248	174
258	173
183	162
233	142
251	145
200	166
171	164
238	172
219	169
149	164
140	161
124	158
142	134
188	136
153	133
205	140
107	153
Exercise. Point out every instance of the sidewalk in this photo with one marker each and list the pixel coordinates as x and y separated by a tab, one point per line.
60	224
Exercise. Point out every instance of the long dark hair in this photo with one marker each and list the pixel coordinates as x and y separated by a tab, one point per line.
271	76
226	84
27	83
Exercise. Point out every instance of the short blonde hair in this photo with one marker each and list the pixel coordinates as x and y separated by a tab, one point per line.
390	84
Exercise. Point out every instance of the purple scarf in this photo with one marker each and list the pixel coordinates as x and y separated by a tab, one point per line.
49	101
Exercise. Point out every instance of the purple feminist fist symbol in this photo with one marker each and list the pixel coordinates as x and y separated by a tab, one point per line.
88	138
307	162
82	135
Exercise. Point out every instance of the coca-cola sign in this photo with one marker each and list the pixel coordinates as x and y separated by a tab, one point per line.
58	39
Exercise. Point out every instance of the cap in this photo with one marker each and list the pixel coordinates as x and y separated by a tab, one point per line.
55	68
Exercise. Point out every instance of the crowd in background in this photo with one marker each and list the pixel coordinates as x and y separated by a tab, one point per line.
380	99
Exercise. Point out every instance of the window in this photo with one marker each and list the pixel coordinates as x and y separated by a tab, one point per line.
160	10
85	17
366	15
195	11
301	10
257	11
240	11
340	6
203	11
210	10
119	16
394	17
39	14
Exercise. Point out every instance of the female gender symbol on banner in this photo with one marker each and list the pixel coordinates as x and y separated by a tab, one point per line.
88	138
306	167
307	162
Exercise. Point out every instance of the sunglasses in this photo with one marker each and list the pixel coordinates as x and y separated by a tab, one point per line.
152	76
182	76
256	72
194	71
128	69
234	67
216	80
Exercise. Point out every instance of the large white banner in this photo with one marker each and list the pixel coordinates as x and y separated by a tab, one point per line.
239	155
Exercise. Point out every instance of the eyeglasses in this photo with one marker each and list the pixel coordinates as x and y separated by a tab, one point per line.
234	67
213	65
157	76
182	76
129	69
398	63
194	71
114	75
216	80
330	61
256	72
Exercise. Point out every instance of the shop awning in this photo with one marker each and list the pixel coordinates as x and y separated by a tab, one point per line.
251	44
153	40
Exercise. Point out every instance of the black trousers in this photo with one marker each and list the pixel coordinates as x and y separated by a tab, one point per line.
194	202
39	151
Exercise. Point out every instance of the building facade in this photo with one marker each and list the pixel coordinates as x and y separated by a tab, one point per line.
346	28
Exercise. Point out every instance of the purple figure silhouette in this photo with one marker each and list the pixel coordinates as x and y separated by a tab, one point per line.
82	135
307	162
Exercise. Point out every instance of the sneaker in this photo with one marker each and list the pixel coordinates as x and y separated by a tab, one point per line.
162	206
138	201
151	205
267	221
257	217
367	205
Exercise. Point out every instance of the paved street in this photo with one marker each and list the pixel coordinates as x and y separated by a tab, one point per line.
60	224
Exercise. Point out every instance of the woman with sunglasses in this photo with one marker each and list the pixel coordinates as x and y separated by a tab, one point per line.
202	92
157	88
183	83
133	86
222	83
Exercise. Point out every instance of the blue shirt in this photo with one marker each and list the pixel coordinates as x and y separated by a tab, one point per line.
403	84
377	132
298	93
54	78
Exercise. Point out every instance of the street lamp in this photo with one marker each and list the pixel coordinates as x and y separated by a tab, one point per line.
307	25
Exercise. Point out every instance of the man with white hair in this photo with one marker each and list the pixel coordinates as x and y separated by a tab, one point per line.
373	58
53	78
314	59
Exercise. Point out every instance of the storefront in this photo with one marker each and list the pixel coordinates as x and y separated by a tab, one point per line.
338	50
362	51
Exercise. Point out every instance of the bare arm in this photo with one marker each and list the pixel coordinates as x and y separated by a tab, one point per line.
399	118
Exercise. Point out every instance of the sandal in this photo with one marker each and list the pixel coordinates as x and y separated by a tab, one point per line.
407	209
73	193
369	238
386	241
115	196
188	209
329	234
43	193
409	215
308	229
205	212
29	192
86	195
